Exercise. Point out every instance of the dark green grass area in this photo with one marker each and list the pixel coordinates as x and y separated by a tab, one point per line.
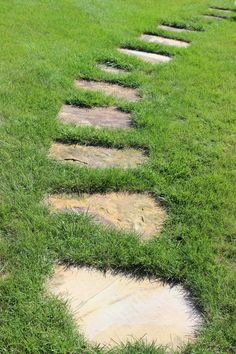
185	121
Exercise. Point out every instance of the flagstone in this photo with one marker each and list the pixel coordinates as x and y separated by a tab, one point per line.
132	212
152	58
163	40
111	309
111	69
110	89
96	156
99	117
173	29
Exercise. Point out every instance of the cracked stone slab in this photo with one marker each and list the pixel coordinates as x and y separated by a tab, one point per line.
132	212
111	309
99	117
96	156
110	89
173	29
152	58
162	40
111	69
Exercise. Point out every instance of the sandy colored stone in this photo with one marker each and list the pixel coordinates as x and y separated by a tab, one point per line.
99	117
112	309
152	58
111	69
173	29
214	17
221	9
114	90
135	212
96	156
162	40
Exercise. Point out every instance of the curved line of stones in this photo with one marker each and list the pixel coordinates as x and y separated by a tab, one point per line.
64	112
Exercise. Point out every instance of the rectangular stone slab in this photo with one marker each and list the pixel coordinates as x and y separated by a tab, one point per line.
132	212
112	309
107	88
173	29
152	58
111	69
99	117
96	156
163	40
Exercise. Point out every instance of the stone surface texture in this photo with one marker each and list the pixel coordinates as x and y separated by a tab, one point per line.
110	89
111	309
96	156
111	69
145	56
163	40
139	213
173	29
99	117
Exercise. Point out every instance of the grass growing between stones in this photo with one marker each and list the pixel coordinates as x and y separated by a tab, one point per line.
185	120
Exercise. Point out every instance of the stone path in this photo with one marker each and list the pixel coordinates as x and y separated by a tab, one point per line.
112	309
132	212
109	89
152	58
163	40
99	117
96	156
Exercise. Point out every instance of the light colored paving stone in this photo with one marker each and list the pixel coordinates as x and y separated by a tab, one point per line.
111	69
147	57
99	117
113	309
134	212
114	90
214	17
221	9
162	40
173	29
96	156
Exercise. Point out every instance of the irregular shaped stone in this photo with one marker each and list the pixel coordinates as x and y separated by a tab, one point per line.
173	29
96	156
162	40
111	69
114	90
113	309
99	117
152	58
134	212
215	17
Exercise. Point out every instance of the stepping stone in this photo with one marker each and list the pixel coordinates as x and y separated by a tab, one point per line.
173	29
114	90
111	309
132	212
162	40
99	117
215	17
147	57
221	9
111	69
96	156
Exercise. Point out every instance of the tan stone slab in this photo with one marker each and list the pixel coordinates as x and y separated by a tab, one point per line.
134	212
221	9
111	69
113	309
162	40
214	17
114	90
96	156
99	117
173	29
147	57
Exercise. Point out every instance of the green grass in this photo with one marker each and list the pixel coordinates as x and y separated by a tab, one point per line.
185	121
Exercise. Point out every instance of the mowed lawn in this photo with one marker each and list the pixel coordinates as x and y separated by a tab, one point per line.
186	123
